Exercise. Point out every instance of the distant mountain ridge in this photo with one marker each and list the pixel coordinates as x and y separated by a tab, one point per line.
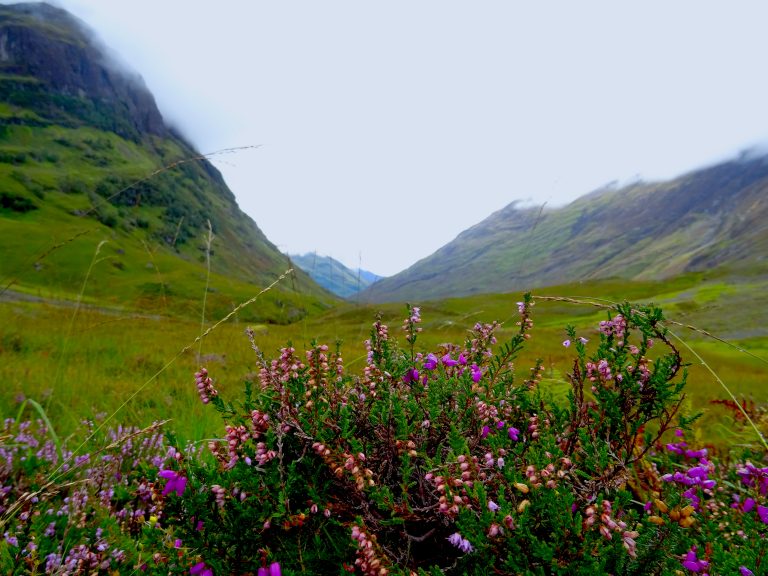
333	275
715	217
83	146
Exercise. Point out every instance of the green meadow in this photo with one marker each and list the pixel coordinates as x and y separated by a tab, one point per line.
135	364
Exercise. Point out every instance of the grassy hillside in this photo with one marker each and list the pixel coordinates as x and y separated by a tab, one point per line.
86	159
712	218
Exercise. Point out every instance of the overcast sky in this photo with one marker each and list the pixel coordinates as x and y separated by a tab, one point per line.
387	128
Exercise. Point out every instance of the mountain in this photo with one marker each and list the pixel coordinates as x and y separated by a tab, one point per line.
85	156
333	275
715	217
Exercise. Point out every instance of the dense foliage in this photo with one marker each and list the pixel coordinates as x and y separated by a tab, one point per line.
451	461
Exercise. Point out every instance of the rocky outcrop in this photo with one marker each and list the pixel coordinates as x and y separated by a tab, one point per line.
50	63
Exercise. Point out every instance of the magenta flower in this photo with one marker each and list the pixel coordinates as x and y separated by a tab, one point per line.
431	362
477	373
273	570
762	512
744	571
692	563
448	361
462	359
514	433
484	433
200	569
176	482
411	375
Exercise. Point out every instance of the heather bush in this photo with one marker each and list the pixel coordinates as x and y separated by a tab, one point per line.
447	461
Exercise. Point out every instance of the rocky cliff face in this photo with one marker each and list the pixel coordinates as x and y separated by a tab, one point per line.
49	62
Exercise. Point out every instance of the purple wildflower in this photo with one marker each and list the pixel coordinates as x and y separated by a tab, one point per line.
762	512
692	563
176	482
566	343
448	362
514	433
492	506
411	375
461	543
431	362
484	432
744	571
200	569
477	373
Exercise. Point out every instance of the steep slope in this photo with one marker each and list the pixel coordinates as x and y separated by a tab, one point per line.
333	275
716	217
84	149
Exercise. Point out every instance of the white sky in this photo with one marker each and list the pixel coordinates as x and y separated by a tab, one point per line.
387	128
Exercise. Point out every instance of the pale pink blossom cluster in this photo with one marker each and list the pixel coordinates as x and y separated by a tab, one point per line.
205	386
609	526
235	436
368	559
616	328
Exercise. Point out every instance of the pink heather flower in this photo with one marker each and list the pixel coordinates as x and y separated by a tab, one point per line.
514	433
462	359
485	431
177	543
477	373
744	571
492	506
431	362
176	482
521	307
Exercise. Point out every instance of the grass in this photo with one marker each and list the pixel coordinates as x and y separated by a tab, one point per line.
109	355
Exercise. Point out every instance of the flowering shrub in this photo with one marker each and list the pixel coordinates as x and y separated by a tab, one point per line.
452	460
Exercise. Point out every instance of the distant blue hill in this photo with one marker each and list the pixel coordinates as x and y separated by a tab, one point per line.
333	275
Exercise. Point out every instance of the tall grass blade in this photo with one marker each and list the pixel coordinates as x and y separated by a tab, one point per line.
723	385
208	242
44	417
